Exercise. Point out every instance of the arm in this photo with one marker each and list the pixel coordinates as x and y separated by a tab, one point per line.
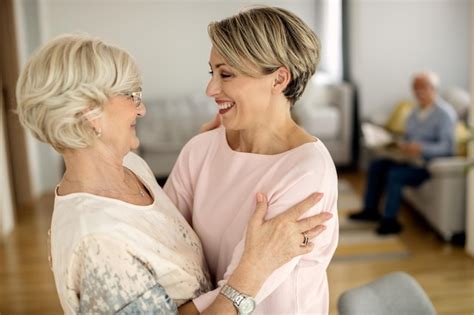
443	133
268	245
107	278
179	186
318	258
445	143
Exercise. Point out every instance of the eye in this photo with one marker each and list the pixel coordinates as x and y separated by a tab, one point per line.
211	72
225	75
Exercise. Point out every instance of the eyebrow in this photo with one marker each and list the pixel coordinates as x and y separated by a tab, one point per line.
218	65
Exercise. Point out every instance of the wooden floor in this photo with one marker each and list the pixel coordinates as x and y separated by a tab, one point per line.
444	271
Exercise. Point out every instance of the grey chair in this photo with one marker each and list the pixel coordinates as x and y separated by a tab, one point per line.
395	293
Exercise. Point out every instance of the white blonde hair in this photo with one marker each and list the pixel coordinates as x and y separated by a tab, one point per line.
66	83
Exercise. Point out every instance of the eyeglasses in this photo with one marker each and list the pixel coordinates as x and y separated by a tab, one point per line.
135	96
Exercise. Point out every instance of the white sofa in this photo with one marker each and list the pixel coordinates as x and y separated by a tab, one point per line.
324	111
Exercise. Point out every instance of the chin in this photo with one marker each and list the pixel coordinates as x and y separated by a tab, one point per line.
135	144
229	124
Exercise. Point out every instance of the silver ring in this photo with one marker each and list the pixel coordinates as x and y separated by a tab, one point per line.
305	239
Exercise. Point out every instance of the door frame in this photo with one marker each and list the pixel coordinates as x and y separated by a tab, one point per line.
16	144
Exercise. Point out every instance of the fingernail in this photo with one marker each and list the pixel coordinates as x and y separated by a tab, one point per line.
318	195
259	197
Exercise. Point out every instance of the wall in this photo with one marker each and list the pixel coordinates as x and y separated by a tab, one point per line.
391	39
168	38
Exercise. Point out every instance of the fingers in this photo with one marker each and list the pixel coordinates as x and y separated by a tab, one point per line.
306	249
315	231
310	223
260	210
210	125
300	208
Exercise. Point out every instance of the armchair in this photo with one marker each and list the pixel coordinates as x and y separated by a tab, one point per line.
441	200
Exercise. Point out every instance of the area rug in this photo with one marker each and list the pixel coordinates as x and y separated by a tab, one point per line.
357	240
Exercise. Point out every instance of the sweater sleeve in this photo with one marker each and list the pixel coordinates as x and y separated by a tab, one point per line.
444	145
315	262
106	278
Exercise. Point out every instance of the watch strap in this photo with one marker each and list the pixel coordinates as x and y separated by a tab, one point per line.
237	298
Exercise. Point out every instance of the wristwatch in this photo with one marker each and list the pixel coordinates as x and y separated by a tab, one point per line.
243	303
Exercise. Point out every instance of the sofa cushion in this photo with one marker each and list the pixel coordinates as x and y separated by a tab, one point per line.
323	122
170	123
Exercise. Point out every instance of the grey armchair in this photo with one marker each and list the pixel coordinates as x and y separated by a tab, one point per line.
393	294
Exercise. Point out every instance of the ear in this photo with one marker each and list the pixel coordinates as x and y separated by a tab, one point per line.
95	123
282	78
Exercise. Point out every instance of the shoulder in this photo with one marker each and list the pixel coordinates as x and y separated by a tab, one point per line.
312	158
308	167
136	163
445	110
202	145
212	136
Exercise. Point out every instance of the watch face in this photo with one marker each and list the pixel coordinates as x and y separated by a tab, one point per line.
247	306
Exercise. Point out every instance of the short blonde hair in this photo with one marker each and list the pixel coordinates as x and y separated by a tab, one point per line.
268	38
66	83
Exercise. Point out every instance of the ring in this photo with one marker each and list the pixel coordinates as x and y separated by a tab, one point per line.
305	239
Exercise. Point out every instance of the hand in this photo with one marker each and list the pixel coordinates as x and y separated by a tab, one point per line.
272	243
211	125
411	148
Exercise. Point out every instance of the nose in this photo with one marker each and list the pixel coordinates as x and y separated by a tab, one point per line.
141	110
213	87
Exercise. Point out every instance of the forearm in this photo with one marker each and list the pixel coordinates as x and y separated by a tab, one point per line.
246	278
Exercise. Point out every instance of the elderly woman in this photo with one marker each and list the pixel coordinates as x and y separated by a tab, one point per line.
261	61
118	242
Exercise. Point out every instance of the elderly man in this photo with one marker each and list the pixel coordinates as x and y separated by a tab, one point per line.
429	134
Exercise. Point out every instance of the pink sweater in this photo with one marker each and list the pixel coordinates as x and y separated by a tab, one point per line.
214	187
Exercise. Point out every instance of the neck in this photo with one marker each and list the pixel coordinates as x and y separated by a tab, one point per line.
426	106
272	135
94	166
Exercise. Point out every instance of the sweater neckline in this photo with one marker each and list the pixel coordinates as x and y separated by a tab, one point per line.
223	139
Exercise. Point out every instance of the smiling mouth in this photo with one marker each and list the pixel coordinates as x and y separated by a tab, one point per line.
225	107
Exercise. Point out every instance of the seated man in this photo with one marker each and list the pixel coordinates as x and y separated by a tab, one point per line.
429	134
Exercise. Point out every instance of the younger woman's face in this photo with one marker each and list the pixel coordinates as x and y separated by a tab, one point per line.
242	100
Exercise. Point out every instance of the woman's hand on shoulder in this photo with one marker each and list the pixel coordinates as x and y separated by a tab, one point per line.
272	243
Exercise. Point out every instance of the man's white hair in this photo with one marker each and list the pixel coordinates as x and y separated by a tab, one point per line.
429	76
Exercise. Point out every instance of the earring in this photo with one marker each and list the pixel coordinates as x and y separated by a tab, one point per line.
98	132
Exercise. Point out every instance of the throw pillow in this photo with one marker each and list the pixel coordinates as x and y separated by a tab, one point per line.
462	137
396	120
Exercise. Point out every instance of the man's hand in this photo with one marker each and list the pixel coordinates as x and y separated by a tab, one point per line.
412	149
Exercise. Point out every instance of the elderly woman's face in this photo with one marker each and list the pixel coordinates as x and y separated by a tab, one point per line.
241	100
119	123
